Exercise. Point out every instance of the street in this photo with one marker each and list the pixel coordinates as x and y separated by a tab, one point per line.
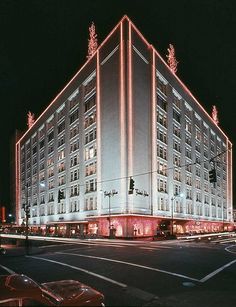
138	273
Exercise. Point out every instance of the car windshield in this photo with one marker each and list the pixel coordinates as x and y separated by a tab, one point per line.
51	296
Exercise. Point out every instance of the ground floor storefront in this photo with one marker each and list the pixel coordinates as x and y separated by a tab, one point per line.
130	227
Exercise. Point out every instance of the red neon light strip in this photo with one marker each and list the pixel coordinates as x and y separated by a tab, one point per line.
122	117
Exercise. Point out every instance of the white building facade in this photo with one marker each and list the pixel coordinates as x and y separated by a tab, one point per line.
124	115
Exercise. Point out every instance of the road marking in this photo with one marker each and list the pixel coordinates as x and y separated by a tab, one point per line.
131	264
7	269
228	249
82	270
207	277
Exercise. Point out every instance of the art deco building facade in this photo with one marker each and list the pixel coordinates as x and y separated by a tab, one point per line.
124	114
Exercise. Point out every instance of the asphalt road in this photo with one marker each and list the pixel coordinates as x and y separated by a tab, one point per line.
135	273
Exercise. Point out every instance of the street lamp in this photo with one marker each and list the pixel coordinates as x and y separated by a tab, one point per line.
172	211
109	195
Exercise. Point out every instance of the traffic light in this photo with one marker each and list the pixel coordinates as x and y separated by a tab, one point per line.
212	175
60	195
131	185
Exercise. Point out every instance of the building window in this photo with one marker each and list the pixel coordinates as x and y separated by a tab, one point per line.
90	152
74	175
89	103
161	103
61	127
176	116
162	185
161	152
74	190
74	160
74	116
91	185
162	86
90	136
89	120
91	168
161	119
74	131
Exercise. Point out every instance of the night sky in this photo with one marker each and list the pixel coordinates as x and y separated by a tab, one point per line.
44	43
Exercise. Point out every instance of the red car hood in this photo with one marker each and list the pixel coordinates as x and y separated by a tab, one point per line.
74	291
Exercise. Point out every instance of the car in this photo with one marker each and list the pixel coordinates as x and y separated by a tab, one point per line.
20	290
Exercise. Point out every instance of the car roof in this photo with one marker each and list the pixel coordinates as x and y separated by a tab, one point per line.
18	285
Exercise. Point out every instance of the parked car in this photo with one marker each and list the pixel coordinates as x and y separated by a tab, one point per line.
20	290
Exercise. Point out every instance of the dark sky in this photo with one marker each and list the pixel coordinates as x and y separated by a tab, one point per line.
43	44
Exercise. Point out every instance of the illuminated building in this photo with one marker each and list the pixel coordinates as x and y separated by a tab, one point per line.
125	114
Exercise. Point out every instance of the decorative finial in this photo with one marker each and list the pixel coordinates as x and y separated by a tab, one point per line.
92	41
171	60
30	119
214	115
